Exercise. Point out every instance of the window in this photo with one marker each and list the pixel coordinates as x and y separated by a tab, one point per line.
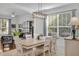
53	21
3	26
59	24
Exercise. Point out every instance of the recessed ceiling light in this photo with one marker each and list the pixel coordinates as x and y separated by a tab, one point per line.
13	14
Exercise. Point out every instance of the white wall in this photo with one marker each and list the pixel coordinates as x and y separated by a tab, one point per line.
22	19
38	26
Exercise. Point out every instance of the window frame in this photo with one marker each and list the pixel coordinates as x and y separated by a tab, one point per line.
1	27
58	26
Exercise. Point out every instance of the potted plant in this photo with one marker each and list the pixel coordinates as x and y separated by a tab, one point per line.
16	34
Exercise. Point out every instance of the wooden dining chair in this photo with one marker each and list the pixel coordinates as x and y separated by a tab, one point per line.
53	49
18	46
47	45
21	49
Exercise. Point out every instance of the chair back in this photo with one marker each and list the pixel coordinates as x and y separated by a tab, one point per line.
47	40
18	45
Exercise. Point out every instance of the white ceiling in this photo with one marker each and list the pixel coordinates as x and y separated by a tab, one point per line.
6	9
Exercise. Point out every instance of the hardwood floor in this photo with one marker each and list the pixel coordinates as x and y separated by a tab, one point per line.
59	48
7	49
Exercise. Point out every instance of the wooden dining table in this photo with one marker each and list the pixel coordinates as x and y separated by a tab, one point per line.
31	43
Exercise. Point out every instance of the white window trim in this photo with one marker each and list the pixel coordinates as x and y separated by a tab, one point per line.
7	26
58	24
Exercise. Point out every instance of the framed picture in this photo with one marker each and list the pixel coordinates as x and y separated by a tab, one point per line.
19	25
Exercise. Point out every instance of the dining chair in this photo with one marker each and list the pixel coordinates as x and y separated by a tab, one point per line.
18	46
54	46
21	49
47	45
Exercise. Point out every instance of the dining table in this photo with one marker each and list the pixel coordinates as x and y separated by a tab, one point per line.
32	43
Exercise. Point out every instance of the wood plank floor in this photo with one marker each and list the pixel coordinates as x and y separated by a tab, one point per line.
59	48
7	49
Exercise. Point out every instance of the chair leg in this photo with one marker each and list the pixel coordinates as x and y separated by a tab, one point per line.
44	53
33	53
